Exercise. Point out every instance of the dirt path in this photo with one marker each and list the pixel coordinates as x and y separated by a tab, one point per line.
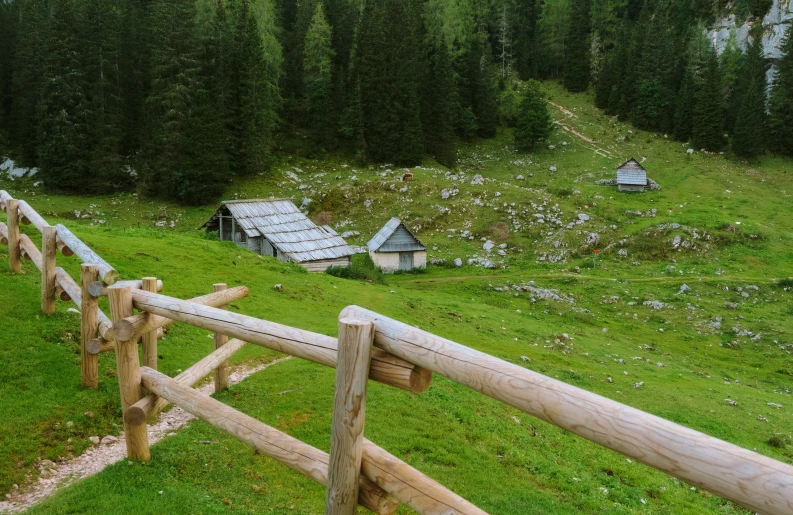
594	148
96	458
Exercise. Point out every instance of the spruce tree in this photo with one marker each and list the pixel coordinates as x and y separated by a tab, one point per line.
317	68
707	128
64	112
183	155
749	135
534	121
780	120
256	103
684	108
485	101
28	79
577	50
606	80
439	106
732	64
8	24
388	69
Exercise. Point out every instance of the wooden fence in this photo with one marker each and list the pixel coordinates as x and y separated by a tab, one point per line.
370	346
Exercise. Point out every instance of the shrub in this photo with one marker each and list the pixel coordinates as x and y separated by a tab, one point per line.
361	267
323	218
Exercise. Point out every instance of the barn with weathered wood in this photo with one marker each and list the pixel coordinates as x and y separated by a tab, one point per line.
394	248
631	176
277	228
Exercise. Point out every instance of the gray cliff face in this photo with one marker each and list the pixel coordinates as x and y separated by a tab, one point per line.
775	24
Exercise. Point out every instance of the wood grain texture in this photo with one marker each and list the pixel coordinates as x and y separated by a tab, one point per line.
152	404
136	325
12	221
349	415
128	370
48	237
28	250
32	217
289	340
108	274
149	339
222	371
747	478
411	487
89	327
99	288
286	449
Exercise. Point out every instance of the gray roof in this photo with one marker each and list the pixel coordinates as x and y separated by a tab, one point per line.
286	228
631	172
395	237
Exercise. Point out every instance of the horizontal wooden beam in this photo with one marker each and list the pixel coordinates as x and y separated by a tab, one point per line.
745	477
282	338
142	323
30	251
108	274
99	288
30	216
299	456
152	404
100	345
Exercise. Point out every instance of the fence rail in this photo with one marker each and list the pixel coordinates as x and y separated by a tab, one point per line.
370	345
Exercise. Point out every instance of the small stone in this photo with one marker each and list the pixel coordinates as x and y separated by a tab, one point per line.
458	262
94	440
525	358
278	287
109	439
552	169
690	151
69	424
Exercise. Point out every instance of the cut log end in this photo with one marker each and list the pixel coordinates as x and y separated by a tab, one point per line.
134	416
420	379
124	330
65	251
110	277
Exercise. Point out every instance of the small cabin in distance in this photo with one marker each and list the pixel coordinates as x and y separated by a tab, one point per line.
276	228
631	176
394	248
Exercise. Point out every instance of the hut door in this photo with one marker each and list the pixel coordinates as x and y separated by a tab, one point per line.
406	261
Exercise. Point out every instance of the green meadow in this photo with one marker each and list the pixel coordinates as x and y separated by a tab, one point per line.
714	355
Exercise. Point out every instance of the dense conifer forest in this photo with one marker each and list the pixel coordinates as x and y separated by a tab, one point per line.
173	97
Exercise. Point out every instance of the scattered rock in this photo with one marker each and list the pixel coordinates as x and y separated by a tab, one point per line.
109	439
350	234
684	289
583	217
552	168
278	287
690	151
458	262
94	440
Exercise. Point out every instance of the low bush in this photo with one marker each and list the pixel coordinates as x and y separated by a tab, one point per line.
361	267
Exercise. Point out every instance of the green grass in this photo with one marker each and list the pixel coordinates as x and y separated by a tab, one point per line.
500	459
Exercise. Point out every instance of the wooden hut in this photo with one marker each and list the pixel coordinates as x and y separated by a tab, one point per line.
278	229
394	248
631	176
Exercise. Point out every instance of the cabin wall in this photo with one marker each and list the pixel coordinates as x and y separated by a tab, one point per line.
389	261
322	265
630	187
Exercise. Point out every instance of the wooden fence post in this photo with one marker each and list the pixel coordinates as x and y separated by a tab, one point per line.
222	372
48	247
89	326
349	413
149	339
128	369
14	251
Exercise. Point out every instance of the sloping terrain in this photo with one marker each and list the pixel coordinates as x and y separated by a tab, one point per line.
680	317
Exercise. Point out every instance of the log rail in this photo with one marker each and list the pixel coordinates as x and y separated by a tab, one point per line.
356	471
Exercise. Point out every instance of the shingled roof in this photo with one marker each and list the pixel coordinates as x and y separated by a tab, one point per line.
409	241
631	172
286	228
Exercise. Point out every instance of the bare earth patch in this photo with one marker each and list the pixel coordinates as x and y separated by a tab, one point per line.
96	458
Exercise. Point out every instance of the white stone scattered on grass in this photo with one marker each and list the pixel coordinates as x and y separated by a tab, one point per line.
109	439
552	168
458	262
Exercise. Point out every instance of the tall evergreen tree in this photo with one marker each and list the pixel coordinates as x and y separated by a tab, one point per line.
317	68
64	112
389	72
732	63
28	80
439	106
780	119
183	156
577	51
484	99
684	108
7	44
257	105
749	135
534	121
707	129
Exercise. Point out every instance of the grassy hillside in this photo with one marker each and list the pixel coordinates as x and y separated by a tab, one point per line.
625	329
